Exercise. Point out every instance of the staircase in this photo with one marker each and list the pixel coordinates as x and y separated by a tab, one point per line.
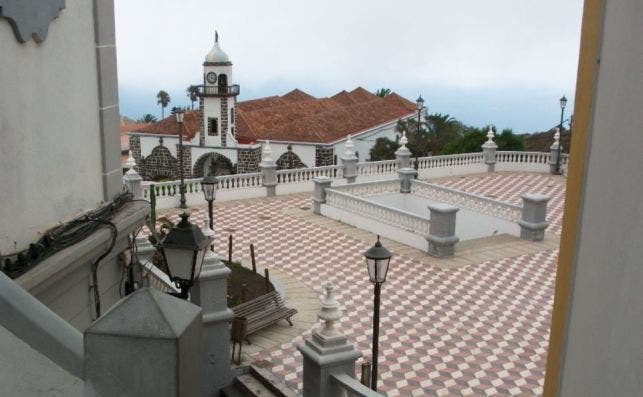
252	381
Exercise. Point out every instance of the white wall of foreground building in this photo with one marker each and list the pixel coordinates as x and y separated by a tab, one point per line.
603	349
60	151
364	141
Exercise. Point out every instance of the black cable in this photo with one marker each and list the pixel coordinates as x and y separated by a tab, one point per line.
94	287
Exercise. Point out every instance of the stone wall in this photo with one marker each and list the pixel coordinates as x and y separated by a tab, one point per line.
187	161
248	160
324	155
135	147
202	130
160	164
224	122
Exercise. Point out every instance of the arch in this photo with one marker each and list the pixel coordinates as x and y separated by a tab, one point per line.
212	164
159	165
223	80
289	160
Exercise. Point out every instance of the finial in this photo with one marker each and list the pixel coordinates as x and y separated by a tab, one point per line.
490	134
403	140
130	163
557	135
329	312
348	147
216	36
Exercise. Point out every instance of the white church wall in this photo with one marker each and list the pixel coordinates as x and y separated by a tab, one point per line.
61	146
306	152
363	142
148	143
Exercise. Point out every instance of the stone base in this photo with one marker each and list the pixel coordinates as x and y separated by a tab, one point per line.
442	247
271	191
532	231
491	167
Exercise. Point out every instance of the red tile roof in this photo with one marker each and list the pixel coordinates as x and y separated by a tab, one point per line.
300	117
169	126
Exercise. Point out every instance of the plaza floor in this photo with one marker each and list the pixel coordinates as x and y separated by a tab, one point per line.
475	325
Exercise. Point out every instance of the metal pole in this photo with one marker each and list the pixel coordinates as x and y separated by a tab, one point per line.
210	214
560	145
417	143
182	187
376	334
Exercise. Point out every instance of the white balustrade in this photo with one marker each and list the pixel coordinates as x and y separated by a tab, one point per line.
470	201
372	188
297	175
451	160
392	216
239	181
377	167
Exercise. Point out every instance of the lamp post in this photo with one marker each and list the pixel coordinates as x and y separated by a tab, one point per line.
179	119
563	103
420	105
183	249
209	185
377	262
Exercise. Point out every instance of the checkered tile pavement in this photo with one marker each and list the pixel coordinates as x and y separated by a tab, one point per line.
478	330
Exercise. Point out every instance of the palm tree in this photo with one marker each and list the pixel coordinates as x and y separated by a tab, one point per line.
163	99
382	92
191	92
148	118
444	129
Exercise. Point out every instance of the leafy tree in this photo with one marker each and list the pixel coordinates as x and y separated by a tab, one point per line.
148	118
507	140
384	149
191	92
382	92
163	99
470	142
443	129
177	108
418	144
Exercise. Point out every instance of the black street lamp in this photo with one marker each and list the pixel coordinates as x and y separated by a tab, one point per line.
209	184
420	105
563	103
377	262
179	119
183	249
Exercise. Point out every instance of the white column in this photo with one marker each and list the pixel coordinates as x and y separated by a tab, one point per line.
489	151
349	160
268	168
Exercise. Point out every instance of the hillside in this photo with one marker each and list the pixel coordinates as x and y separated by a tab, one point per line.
541	141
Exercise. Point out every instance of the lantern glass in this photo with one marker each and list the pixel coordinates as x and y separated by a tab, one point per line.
563	102
179	116
377	262
420	103
180	262
210	185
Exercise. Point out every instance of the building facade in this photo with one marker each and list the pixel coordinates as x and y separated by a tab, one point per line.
225	136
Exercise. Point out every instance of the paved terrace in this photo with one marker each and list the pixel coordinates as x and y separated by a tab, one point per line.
475	325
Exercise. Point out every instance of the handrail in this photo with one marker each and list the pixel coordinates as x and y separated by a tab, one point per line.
295	175
468	200
216	90
382	213
351	386
377	167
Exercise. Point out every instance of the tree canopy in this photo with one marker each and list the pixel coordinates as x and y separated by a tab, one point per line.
147	118
382	92
163	99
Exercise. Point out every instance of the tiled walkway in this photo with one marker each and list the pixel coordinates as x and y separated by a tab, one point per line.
479	329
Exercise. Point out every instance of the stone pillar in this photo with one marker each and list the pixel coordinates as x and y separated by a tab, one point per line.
268	168
489	151
145	345
403	154
132	180
442	238
534	213
349	160
555	148
406	175
319	195
210	293
327	352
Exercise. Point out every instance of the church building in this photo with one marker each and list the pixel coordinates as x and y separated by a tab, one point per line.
225	136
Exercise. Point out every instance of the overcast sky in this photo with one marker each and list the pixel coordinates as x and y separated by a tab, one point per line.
505	62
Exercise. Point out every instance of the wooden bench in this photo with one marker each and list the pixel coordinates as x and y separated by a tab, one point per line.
263	312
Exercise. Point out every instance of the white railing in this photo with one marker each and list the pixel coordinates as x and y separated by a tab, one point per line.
372	188
523	157
350	387
451	160
158	279
392	216
470	201
239	181
296	175
171	188
377	167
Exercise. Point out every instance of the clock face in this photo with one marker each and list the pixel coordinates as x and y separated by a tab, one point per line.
211	77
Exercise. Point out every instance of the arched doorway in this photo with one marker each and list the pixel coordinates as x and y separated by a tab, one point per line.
289	160
212	164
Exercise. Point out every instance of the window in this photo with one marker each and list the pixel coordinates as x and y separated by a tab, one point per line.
213	126
232	130
231	115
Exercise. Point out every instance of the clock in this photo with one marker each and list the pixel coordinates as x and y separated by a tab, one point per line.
211	77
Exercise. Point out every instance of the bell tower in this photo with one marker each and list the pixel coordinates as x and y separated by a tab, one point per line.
218	98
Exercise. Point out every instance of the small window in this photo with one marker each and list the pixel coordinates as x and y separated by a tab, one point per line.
357	155
213	126
232	130
231	115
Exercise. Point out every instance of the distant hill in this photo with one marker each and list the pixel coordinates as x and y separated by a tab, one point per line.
127	120
542	141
